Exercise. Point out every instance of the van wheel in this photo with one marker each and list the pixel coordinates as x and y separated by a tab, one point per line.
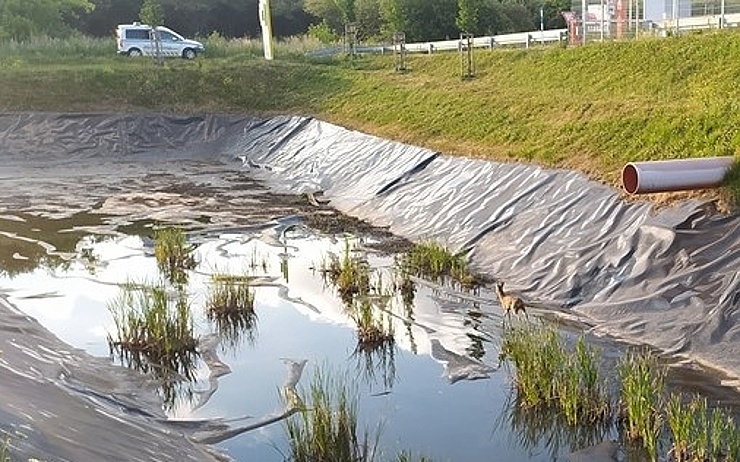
188	53
134	52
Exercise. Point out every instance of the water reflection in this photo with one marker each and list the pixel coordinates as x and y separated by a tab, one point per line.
154	335
474	320
433	325
376	364
230	308
28	242
534	428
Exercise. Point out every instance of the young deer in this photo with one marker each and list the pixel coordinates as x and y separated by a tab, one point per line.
508	302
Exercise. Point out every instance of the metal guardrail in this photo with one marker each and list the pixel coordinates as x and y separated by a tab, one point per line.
545	36
520	38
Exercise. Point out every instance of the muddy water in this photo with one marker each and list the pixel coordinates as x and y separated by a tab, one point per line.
442	342
70	236
439	391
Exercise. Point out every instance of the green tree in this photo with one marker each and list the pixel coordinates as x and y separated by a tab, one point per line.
23	19
553	10
508	17
468	15
336	13
368	18
420	19
152	13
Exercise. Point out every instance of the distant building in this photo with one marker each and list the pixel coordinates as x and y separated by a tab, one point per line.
620	19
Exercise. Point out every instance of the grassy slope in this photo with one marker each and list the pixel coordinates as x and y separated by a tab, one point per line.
592	108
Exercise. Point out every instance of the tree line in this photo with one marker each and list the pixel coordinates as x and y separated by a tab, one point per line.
373	19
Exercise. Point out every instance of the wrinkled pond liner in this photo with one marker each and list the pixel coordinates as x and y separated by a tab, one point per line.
568	246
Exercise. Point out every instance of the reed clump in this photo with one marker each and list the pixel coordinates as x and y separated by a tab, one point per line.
699	434
642	398
230	305
153	327
550	376
174	255
434	261
326	428
374	329
349	274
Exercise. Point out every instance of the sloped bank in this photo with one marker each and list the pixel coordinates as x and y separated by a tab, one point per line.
670	279
566	244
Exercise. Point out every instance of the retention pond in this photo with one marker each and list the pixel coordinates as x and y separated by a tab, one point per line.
85	200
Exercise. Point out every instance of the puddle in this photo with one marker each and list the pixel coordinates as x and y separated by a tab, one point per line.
437	391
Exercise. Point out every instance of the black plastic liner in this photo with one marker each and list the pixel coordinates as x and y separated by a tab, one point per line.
567	245
669	278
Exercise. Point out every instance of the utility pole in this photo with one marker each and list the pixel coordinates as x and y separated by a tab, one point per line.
542	19
266	23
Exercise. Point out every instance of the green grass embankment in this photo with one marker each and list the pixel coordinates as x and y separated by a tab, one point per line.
591	108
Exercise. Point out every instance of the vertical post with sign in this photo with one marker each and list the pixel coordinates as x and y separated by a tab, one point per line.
266	23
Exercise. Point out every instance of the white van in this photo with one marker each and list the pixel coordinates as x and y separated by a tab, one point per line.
139	40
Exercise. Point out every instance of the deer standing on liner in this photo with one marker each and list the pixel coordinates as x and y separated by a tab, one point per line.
509	303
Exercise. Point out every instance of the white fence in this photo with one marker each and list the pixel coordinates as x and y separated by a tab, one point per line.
700	22
521	38
604	28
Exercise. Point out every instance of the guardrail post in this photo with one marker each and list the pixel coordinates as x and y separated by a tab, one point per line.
529	40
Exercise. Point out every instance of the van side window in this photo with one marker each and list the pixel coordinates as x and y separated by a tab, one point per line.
137	34
167	37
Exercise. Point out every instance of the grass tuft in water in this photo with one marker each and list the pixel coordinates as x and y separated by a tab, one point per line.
537	428
436	262
151	325
581	392
699	434
643	387
374	329
376	364
548	376
174	255
406	456
350	275
326	428
230	305
538	356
